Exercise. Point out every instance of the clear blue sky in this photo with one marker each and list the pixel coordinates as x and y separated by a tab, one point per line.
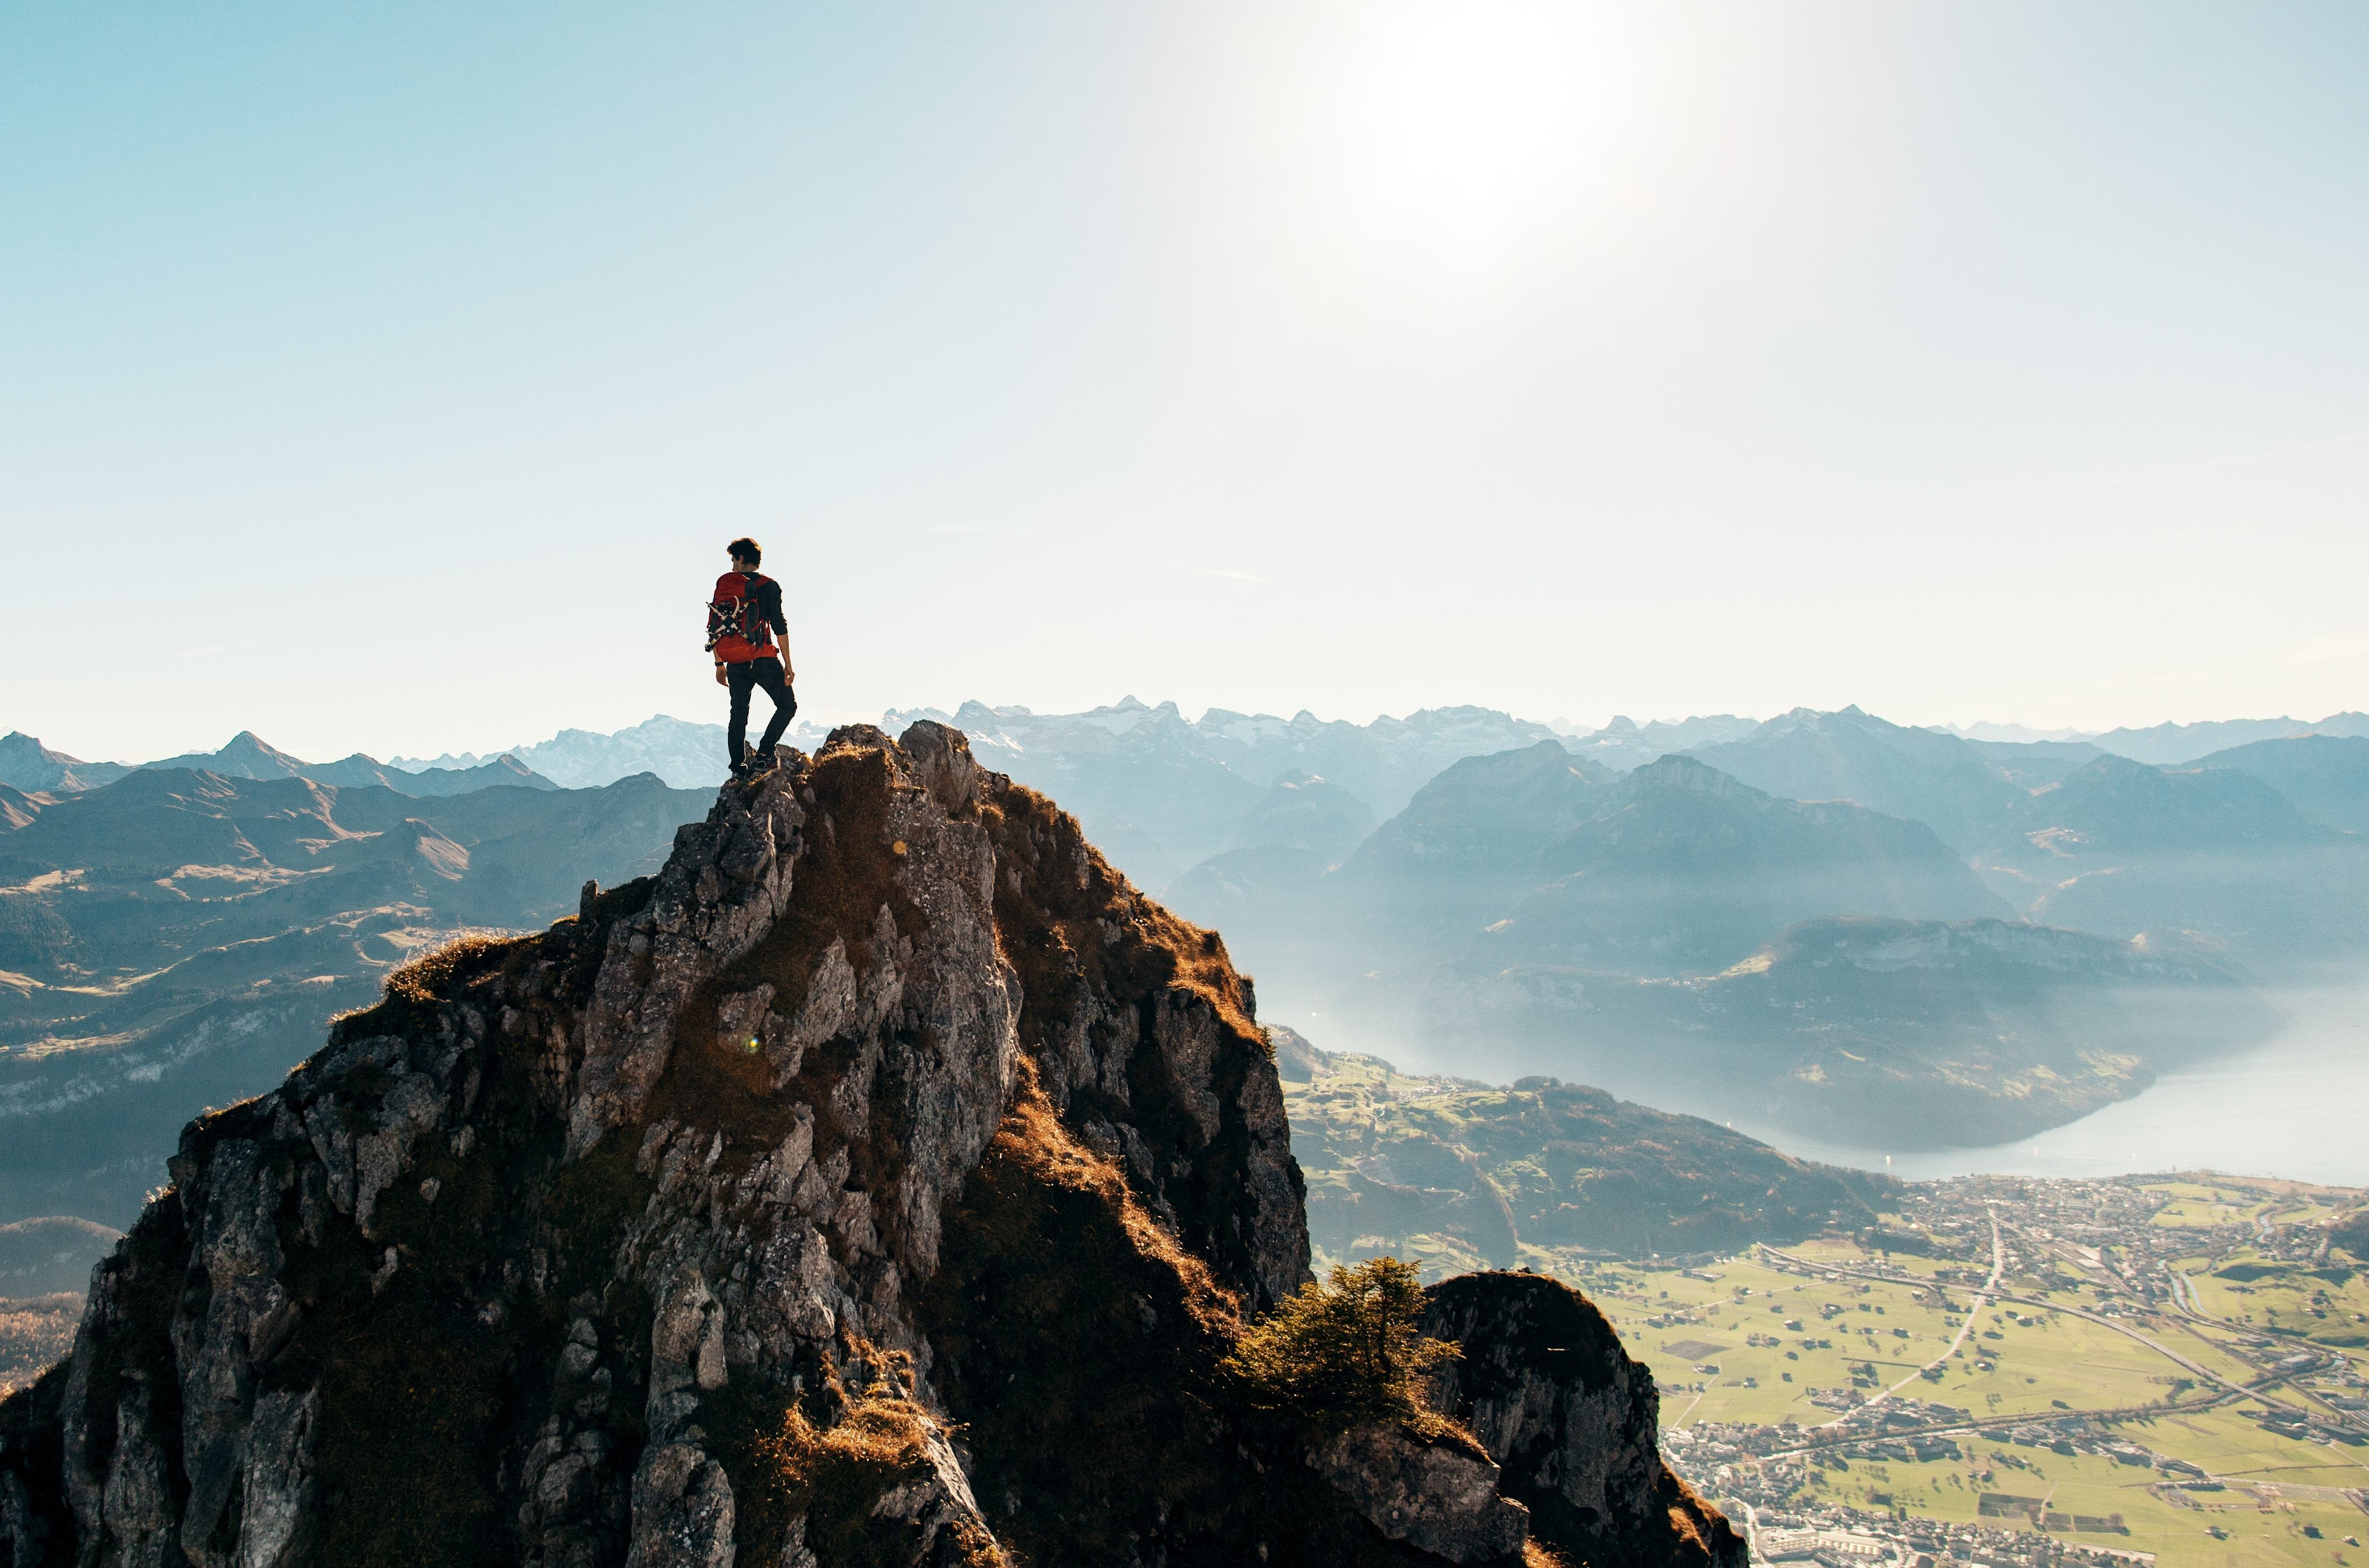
389	377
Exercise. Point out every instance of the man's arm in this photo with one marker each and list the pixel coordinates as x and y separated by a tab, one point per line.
771	607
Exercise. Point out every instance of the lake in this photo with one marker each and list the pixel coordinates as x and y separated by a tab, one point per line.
2296	1107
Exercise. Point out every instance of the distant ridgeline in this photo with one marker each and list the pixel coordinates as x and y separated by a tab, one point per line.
28	766
687	755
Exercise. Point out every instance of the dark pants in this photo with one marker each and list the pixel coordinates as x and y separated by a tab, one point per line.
766	673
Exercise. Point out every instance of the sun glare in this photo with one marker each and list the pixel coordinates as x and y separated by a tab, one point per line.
1419	165
1458	121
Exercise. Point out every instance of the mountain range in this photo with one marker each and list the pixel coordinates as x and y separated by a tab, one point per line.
687	755
1165	794
1680	937
1439	884
2252	849
1672	868
1161	793
1170	797
2122	848
2171	745
1407	752
27	765
1625	743
178	938
2326	776
1952	785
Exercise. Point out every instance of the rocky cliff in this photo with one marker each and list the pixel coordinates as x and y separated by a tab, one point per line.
1544	1384
882	1182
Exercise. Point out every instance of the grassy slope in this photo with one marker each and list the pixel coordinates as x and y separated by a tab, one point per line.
1464	1175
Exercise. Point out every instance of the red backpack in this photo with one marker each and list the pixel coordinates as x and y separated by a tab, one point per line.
736	630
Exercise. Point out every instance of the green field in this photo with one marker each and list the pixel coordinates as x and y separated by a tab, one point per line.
1707	1340
2330	1306
2035	1359
2260	1531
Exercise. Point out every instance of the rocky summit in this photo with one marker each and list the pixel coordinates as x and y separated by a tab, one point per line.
885	1181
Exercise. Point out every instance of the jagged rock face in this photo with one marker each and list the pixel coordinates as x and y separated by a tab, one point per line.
1546	1387
882	1182
1435	1493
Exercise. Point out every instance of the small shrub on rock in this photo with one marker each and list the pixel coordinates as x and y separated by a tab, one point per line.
1345	1351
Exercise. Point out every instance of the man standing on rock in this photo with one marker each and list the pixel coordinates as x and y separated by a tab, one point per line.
742	624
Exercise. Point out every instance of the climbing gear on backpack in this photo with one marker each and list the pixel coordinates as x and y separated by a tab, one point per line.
737	629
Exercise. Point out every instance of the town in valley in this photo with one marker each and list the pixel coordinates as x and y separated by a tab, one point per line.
2017	1370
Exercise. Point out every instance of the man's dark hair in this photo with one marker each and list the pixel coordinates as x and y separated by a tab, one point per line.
747	550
